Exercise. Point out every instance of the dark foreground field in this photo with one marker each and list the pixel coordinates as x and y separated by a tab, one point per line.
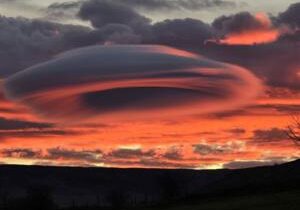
285	200
49	188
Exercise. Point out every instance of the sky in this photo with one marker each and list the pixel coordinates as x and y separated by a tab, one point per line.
204	84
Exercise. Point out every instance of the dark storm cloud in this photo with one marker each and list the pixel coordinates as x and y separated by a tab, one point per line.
270	135
136	83
186	32
124	153
33	41
180	4
291	16
158	5
25	42
119	34
277	63
173	32
237	23
62	11
103	12
193	33
63	6
10	124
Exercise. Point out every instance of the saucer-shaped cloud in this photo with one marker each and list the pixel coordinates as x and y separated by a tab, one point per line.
128	82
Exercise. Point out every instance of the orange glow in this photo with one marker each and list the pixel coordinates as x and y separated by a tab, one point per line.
160	136
251	37
200	141
261	35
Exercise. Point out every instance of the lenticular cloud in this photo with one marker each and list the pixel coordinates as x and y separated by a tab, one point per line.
128	82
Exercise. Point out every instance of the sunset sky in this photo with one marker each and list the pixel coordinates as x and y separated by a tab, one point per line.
200	84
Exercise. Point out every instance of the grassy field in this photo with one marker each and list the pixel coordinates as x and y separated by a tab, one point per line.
271	201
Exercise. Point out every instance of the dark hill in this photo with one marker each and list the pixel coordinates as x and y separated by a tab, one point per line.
90	186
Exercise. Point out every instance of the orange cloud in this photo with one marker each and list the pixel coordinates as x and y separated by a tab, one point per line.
262	32
251	37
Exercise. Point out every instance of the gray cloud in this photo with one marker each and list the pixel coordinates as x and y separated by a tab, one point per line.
276	63
173	153
103	12
269	135
180	4
156	5
173	32
124	153
20	153
62	11
291	16
52	154
217	149
93	156
184	32
32	41
285	109
237	23
10	128
10	124
25	42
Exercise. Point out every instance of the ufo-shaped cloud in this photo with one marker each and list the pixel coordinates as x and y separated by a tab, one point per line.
136	81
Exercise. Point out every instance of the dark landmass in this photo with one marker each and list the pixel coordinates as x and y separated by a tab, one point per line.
43	188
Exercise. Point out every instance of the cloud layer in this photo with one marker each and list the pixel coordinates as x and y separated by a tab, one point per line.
153	80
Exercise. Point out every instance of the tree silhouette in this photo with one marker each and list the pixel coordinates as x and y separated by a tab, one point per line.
293	130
